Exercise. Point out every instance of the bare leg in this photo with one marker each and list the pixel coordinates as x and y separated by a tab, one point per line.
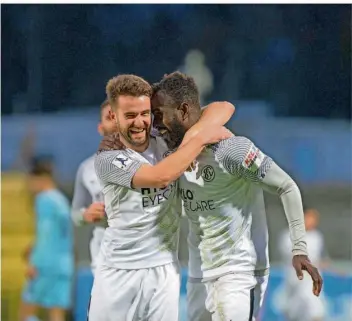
57	314
27	310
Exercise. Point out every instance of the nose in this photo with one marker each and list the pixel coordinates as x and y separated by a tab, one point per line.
139	122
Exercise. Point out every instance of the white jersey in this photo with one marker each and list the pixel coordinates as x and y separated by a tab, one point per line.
87	189
228	229
143	222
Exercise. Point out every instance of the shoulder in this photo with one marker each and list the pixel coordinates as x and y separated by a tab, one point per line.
88	163
45	199
115	160
235	147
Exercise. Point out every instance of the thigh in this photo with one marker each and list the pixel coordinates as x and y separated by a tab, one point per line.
115	295
231	297
164	281
259	294
196	296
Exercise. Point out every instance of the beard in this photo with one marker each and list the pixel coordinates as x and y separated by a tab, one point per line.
175	135
135	139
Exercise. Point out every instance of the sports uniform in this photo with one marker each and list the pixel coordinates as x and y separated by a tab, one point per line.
138	275
223	199
52	253
88	190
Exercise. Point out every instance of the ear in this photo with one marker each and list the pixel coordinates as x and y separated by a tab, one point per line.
100	129
112	115
183	111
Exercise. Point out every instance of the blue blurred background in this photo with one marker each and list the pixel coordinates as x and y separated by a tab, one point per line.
287	68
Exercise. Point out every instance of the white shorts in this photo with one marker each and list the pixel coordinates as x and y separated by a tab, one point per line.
94	246
129	295
197	297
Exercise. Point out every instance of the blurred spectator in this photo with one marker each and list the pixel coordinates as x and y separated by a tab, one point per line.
195	66
301	304
50	262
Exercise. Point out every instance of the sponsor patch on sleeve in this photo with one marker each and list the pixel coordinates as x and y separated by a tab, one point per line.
253	159
122	161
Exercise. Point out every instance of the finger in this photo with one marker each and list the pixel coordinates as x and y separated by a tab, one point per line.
317	285
317	280
299	271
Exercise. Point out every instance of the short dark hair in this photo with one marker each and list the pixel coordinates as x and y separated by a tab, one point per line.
127	85
180	87
42	166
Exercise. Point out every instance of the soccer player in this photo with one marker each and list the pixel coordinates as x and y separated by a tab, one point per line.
300	305
223	199
137	277
88	200
51	262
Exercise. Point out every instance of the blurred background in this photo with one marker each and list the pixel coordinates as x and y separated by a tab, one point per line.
287	68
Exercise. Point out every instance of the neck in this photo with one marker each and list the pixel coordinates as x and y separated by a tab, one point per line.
47	186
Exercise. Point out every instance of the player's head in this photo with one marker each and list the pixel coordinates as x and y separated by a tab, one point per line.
176	106
311	218
129	98
106	125
41	175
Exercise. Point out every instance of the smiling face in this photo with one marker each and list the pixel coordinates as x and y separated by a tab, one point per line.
133	118
168	119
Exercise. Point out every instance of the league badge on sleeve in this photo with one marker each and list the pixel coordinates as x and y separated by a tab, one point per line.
253	159
122	161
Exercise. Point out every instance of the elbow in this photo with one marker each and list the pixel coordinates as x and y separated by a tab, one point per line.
289	187
162	181
230	108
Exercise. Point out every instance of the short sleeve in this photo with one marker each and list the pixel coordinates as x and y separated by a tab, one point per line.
242	158
116	167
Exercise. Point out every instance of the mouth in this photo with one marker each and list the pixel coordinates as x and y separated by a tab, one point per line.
137	132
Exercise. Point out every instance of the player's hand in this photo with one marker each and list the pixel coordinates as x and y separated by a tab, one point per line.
302	263
31	272
111	142
214	135
94	213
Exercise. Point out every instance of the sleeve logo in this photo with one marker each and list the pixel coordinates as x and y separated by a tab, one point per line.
121	161
253	159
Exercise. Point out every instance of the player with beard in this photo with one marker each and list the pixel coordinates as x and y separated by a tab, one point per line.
137	277
88	201
223	199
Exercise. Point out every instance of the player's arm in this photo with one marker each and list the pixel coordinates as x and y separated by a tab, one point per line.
81	198
242	158
122	170
214	114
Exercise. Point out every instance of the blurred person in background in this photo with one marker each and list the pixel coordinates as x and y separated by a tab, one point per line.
51	259
88	200
195	66
300	304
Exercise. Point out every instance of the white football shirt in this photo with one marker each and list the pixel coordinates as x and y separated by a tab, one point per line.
228	229
87	190
143	222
